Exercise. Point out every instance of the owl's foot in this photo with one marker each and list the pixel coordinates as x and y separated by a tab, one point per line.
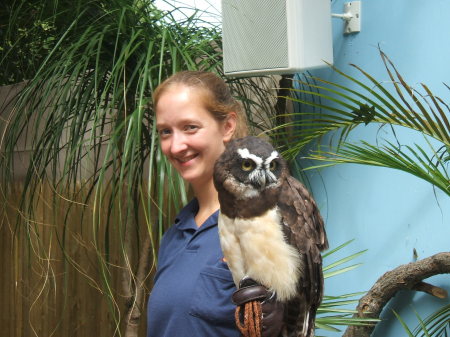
256	301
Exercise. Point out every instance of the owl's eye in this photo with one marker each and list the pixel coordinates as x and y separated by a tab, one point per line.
247	165
273	165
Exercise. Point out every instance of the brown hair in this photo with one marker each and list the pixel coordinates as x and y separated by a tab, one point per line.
217	97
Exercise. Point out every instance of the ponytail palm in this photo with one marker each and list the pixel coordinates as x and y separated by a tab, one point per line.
85	114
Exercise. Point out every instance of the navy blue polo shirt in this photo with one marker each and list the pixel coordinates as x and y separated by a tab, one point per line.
192	292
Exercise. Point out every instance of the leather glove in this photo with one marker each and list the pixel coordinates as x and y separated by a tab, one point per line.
272	310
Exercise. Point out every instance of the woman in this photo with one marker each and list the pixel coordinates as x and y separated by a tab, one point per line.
195	117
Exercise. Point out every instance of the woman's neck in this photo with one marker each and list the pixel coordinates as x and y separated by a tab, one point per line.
208	202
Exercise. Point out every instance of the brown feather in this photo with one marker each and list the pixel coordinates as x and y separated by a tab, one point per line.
304	228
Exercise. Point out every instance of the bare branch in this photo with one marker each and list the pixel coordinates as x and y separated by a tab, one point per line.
404	277
431	289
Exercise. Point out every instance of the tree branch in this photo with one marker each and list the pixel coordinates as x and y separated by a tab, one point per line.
431	289
404	277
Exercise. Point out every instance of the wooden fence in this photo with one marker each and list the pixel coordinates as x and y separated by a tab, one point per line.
49	291
51	281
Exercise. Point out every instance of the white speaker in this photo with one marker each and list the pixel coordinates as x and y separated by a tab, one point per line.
275	36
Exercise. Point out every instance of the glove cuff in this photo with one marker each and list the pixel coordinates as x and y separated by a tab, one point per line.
249	291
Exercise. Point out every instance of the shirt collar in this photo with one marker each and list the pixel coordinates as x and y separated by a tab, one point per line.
186	218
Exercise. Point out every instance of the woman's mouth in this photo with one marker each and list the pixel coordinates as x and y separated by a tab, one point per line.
186	159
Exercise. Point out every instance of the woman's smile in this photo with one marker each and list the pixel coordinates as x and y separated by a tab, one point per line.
186	159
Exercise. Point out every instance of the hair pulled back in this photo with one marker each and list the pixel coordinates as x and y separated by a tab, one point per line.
214	92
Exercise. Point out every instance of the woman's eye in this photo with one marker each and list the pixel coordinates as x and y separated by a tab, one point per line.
164	132
247	165
191	127
273	165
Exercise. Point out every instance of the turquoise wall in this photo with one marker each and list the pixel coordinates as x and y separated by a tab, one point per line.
388	212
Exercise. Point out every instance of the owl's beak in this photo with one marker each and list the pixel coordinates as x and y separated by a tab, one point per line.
258	178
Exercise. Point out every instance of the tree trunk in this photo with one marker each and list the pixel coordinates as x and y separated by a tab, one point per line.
137	299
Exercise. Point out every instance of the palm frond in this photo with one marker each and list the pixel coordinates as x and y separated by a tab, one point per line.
410	159
344	107
437	324
333	310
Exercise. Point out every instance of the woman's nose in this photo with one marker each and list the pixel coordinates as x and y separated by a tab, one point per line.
178	144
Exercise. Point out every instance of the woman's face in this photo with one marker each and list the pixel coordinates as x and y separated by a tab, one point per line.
189	135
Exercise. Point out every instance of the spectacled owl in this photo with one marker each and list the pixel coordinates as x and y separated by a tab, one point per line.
271	230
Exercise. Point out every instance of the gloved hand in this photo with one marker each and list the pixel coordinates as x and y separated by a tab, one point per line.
272	310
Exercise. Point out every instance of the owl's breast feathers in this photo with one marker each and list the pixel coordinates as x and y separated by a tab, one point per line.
256	247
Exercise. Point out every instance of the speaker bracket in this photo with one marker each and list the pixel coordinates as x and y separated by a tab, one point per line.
351	16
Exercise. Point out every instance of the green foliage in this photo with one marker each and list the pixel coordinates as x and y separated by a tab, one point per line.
86	117
338	109
436	325
29	31
85	114
333	310
344	108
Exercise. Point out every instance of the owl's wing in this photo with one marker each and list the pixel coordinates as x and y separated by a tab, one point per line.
304	229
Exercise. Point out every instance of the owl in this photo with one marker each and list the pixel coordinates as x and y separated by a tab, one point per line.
270	229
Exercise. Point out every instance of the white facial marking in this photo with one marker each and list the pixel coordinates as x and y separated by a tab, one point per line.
258	176
272	156
245	154
271	177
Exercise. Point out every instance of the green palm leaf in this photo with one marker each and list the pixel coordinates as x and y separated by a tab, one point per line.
413	160
343	108
346	107
333	310
437	324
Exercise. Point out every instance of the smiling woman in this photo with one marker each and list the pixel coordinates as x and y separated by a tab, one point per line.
71	120
195	117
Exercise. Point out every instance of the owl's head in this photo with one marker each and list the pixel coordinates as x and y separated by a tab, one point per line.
249	166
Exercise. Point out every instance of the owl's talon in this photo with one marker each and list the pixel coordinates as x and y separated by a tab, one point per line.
247	281
272	297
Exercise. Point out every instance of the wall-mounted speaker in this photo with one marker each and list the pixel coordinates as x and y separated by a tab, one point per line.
275	36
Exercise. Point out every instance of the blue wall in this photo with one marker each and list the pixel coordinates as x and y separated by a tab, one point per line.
388	212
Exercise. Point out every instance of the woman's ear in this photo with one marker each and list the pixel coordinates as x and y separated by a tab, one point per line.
229	126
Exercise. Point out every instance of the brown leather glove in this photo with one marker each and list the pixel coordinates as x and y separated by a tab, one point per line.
272	310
